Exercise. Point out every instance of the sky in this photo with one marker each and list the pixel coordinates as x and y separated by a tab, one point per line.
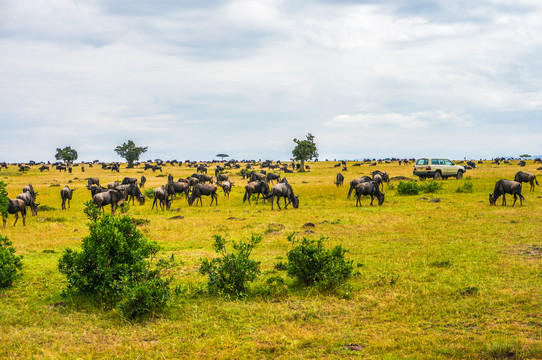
191	79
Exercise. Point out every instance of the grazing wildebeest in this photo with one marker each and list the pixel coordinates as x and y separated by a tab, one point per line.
113	185
43	167
354	182
96	189
61	167
522	176
66	194
178	187
369	188
30	189
161	194
93	181
193	181
204	178
285	191
383	175
29	200
143	181
113	197
220	178
156	167
272	177
129	180
255	176
203	189
226	186
503	187
472	164
132	192
256	187
339	180
15	206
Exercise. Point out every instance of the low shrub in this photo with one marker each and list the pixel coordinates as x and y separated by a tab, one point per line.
230	273
10	264
431	186
311	264
115	265
466	187
408	188
148	193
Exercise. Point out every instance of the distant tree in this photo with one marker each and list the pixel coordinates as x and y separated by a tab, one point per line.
67	154
222	156
525	156
130	152
305	150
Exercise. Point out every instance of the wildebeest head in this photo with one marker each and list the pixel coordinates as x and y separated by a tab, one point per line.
295	201
492	199
380	198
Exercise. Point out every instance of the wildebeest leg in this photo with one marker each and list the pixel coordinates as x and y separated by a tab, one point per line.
372	198
521	198
257	198
515	199
16	218
358	201
278	202
503	199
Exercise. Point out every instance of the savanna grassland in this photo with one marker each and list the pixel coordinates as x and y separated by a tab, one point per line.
448	278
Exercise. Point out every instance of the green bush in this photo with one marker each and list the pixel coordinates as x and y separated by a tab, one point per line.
408	188
313	265
467	187
230	273
3	199
431	186
115	265
148	193
10	264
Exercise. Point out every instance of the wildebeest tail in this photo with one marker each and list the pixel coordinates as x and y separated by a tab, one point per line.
271	193
536	181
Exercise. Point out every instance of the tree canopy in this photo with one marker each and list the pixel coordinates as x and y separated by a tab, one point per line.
130	152
67	154
305	150
222	156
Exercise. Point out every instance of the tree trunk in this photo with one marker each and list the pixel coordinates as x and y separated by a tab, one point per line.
302	166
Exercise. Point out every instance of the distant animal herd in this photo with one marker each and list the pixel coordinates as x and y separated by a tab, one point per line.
199	184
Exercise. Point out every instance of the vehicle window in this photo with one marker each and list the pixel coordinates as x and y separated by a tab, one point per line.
441	161
448	162
421	162
434	161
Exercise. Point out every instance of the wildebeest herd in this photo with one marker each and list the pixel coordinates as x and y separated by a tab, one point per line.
199	184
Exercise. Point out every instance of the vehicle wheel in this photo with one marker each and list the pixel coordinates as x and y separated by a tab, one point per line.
438	176
459	175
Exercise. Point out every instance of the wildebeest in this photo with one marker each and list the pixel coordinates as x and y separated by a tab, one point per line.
220	178
522	176
256	187
61	167
66	194
93	181
129	180
43	167
383	175
472	164
156	167
161	194
113	197
255	176
503	187
339	180
354	182
96	189
133	192
226	186
143	181
285	191
203	189
178	187
15	206
113	185
369	188
30	189
29	200
272	177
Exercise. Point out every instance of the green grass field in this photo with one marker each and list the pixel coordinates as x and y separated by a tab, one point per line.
455	278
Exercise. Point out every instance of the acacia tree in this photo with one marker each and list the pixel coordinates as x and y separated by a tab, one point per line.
130	152
222	156
67	154
305	150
